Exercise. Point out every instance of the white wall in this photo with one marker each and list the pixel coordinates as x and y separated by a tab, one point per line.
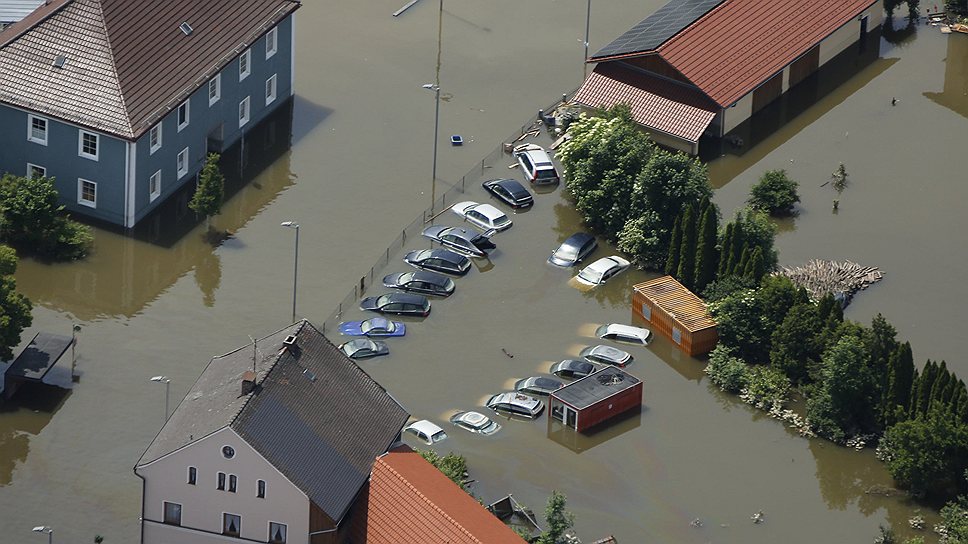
202	504
847	35
739	113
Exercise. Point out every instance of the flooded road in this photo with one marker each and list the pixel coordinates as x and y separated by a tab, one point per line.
358	170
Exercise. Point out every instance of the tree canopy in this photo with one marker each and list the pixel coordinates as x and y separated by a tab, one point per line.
32	220
775	193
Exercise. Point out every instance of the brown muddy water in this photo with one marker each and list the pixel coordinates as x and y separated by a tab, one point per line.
358	170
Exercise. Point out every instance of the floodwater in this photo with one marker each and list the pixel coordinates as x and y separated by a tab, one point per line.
358	170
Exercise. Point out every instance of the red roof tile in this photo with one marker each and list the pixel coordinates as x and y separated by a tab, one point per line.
410	501
655	102
740	44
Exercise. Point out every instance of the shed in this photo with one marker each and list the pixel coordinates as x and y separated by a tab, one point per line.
677	313
596	398
35	362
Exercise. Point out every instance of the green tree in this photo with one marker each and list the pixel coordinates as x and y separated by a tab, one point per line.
687	251
15	308
756	267
726	248
210	192
843	405
927	455
839	178
32	220
794	347
740	324
726	286
727	371
672	262
954	517
775	193
557	520
453	466
923	394
890	6
707	256
897	395
913	9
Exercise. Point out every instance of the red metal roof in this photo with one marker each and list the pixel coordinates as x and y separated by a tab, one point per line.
655	102
740	44
411	502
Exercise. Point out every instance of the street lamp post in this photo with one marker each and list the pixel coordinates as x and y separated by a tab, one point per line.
45	529
167	382
295	264
588	17
433	177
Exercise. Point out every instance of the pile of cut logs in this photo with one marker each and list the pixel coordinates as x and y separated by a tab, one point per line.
840	278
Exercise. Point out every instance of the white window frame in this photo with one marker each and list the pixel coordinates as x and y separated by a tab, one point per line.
30	168
245	68
181	165
80	193
156	134
217	80
80	144
188	112
271	87
272	42
244	111
30	129
285	530
156	180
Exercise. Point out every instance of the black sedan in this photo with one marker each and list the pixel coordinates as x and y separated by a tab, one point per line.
573	368
510	192
461	240
439	260
421	281
397	303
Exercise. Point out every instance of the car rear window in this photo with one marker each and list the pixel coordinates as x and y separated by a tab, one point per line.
546	173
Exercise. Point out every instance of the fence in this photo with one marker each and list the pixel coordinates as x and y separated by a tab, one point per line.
497	157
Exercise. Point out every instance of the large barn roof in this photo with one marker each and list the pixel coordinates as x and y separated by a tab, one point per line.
739	44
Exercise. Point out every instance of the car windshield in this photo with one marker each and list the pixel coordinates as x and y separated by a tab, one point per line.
591	275
405	278
567	252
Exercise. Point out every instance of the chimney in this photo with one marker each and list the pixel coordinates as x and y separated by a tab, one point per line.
248	382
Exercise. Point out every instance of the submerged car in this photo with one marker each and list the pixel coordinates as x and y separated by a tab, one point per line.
536	164
364	348
427	431
422	281
623	333
439	260
538	385
510	192
517	404
573	250
602	270
482	216
607	355
397	303
461	240
573	368
375	326
475	422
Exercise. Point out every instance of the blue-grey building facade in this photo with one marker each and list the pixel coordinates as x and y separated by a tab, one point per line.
119	175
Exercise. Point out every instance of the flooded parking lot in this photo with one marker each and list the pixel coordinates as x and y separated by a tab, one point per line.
358	171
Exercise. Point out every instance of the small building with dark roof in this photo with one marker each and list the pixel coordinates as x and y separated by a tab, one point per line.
36	362
120	101
702	67
677	313
596	398
273	443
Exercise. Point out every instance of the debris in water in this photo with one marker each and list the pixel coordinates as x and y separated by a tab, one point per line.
840	278
508	354
757	517
696	522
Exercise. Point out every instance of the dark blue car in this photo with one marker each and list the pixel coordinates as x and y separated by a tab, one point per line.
375	326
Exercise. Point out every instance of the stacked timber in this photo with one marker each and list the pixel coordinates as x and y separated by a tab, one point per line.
840	278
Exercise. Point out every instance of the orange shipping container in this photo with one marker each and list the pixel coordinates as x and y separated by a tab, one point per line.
677	313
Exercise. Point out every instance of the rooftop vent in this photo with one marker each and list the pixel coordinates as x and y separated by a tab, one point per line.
60	61
186	28
610	379
308	374
248	382
289	341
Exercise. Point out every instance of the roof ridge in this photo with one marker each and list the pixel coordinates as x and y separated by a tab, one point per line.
265	374
114	68
424	497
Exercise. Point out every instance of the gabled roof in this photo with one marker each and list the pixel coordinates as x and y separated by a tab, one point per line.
739	44
411	502
126	61
314	414
655	102
655	29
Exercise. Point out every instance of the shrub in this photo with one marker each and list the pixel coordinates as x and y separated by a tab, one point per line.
727	372
32	220
775	193
453	466
766	388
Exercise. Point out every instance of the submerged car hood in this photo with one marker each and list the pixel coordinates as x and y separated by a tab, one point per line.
369	303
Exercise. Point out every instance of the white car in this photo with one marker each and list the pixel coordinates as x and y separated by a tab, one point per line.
623	333
475	422
427	431
602	270
482	216
516	404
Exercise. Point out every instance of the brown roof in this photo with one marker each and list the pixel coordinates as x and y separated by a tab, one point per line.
127	62
410	501
655	102
673	297
735	47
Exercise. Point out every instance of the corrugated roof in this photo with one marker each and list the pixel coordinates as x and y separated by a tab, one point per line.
685	307
315	415
411	502
655	29
655	102
15	10
595	387
742	43
127	62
